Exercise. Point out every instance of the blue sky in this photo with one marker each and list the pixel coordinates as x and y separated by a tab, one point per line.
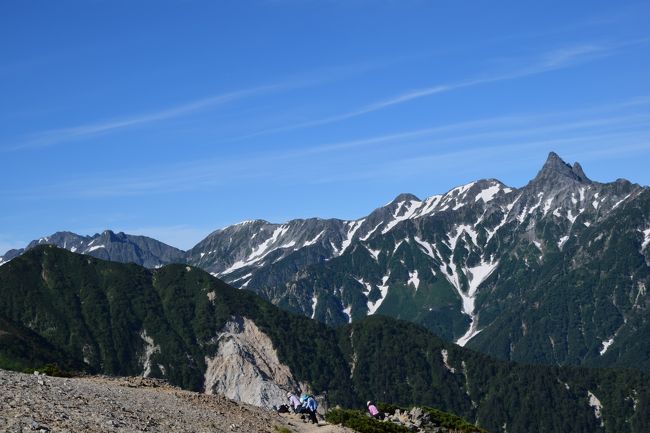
175	118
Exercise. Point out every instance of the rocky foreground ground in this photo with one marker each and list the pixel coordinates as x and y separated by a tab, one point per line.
37	403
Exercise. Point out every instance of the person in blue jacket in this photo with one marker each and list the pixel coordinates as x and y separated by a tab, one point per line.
309	406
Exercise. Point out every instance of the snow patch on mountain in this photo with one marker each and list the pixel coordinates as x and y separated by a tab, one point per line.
373	253
348	312
383	289
94	248
463	228
409	211
314	303
547	205
367	235
352	229
313	241
503	221
367	286
397	245
460	190
244	223
428	206
646	240
562	241
426	245
572	217
413	279
606	345
476	275
260	252
241	278
618	203
488	194
532	210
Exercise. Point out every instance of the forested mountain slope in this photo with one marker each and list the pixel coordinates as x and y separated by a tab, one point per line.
123	319
554	272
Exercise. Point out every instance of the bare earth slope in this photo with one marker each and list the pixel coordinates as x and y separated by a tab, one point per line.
102	404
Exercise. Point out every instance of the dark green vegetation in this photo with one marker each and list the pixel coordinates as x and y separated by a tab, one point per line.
438	417
361	422
22	349
562	308
399	362
88	312
79	311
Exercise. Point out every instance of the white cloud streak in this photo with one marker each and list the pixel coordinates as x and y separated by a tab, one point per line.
60	135
54	136
580	126
550	61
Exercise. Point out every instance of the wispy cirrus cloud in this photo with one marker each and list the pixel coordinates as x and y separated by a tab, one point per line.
47	138
61	135
564	57
596	126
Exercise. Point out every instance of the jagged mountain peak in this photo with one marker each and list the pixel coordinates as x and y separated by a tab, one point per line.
556	170
111	236
404	197
577	169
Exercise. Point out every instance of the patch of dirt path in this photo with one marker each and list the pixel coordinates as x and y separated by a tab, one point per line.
36	403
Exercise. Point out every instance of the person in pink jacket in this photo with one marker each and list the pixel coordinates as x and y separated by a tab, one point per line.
294	402
374	412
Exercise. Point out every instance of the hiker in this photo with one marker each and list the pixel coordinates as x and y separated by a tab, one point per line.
374	412
309	407
294	402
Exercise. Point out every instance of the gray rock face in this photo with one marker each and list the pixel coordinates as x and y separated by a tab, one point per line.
556	172
246	367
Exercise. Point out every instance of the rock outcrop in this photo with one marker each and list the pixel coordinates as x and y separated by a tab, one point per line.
246	367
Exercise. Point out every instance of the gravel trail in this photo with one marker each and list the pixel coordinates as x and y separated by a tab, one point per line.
37	403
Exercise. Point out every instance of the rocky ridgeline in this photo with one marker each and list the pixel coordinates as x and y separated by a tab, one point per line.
37	403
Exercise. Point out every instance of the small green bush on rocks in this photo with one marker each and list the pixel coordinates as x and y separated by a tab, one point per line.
362	423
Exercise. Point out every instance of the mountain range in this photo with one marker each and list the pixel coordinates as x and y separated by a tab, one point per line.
180	323
553	272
